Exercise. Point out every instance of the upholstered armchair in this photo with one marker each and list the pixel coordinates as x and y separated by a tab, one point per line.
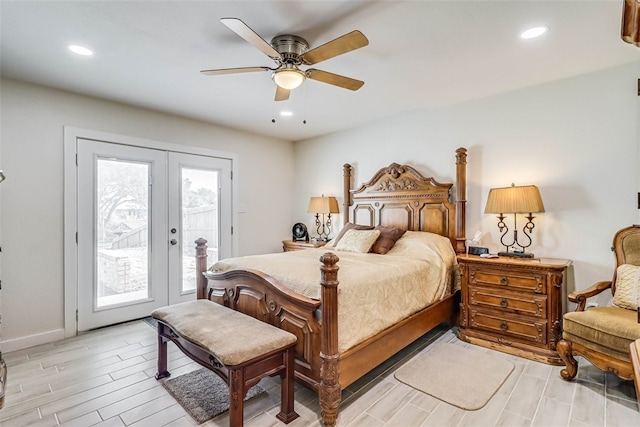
603	335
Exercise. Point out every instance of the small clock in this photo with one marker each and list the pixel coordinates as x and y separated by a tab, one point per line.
300	232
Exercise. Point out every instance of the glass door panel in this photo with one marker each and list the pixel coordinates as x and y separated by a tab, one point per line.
199	219
122	233
122	238
202	185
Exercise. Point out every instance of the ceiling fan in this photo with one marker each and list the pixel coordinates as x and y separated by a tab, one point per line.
289	52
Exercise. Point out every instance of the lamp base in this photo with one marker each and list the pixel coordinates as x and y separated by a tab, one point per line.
516	254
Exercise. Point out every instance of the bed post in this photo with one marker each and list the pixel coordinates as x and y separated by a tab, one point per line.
346	177
461	198
201	267
329	392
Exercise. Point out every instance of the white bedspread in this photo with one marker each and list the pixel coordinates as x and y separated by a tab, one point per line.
375	291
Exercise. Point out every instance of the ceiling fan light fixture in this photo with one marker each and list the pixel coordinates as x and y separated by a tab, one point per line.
289	78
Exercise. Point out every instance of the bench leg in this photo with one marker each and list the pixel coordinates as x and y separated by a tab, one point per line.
162	356
287	414
236	397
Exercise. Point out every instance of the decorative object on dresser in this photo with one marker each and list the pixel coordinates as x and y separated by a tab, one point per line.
513	305
515	200
299	232
396	196
631	22
603	334
291	245
323	206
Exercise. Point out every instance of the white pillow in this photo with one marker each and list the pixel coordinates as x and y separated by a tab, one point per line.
627	287
357	240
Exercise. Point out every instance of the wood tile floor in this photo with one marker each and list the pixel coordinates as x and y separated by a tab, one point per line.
106	378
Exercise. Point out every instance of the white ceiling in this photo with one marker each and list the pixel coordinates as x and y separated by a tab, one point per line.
422	54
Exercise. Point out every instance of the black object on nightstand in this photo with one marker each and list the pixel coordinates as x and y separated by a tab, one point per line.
300	232
477	250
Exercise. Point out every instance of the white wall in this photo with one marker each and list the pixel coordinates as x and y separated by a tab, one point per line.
32	196
576	139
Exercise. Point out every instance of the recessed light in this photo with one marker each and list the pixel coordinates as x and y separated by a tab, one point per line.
80	50
533	32
286	113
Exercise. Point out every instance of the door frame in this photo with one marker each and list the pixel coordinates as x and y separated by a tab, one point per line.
71	135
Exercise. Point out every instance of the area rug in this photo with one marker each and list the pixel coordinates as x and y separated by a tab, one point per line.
461	376
203	394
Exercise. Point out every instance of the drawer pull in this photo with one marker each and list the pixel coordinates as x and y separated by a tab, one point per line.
504	302
504	281
504	326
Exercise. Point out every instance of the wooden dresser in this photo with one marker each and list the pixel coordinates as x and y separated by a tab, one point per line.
514	305
290	245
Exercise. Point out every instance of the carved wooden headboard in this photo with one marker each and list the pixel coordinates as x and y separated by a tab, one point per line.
399	196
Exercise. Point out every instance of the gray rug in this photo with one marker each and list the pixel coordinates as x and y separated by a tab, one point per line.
203	394
461	376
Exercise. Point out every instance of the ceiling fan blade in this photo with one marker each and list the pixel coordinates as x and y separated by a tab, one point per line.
243	30
343	44
233	70
282	94
334	79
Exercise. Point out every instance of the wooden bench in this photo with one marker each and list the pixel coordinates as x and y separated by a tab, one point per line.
238	348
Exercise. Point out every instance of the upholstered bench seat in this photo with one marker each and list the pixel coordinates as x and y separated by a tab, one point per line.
238	348
608	330
234	337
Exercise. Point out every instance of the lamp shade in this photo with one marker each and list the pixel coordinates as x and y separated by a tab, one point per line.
323	205
522	199
289	78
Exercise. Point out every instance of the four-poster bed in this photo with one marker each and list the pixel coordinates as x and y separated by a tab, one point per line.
396	196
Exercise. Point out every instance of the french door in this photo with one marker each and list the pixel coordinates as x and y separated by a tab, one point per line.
139	210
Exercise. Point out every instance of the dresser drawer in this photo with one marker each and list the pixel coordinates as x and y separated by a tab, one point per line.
521	329
516	280
502	300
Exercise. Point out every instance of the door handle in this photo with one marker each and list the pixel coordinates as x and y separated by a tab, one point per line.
173	241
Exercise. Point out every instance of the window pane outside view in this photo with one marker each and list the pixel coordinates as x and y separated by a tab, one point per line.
122	227
199	219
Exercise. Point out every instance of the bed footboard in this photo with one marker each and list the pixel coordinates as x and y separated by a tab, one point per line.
262	297
265	299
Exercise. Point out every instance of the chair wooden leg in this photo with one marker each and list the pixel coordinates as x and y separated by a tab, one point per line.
564	351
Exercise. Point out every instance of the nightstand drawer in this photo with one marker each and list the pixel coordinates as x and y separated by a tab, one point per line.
515	280
530	305
535	331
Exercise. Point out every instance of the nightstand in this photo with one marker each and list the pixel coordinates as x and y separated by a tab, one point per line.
514	305
290	245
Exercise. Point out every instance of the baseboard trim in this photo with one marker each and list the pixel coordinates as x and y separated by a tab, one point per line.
32	340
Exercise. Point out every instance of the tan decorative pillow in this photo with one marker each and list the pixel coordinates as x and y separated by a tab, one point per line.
388	237
357	240
348	226
627	287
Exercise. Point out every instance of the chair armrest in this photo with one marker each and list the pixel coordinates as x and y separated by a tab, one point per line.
580	297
